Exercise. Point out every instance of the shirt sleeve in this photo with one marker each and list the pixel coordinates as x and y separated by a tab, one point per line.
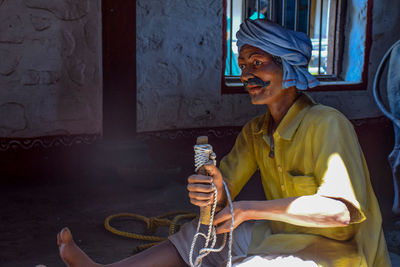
340	167
239	165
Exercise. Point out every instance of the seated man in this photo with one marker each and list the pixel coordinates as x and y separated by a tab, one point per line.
320	208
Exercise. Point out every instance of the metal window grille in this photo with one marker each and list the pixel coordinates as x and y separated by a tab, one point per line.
319	19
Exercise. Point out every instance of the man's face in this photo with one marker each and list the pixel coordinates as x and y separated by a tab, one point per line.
255	62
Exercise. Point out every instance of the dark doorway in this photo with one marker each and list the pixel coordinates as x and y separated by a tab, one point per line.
119	69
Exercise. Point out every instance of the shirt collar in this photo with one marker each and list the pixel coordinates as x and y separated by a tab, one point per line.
262	126
288	126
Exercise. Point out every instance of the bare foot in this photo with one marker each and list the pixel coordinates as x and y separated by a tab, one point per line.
70	253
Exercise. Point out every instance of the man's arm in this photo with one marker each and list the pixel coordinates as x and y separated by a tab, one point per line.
308	211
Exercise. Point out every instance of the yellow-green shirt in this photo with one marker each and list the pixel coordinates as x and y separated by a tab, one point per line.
316	151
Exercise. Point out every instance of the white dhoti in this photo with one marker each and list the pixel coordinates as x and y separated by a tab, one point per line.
241	242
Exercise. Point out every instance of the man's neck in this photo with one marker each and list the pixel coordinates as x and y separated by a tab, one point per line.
279	109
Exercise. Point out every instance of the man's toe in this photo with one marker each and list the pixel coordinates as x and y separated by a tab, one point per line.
58	239
65	235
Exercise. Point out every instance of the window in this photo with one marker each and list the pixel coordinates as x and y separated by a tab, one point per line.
322	20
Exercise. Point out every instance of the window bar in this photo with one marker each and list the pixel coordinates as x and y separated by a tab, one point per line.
296	14
335	37
230	39
270	9
246	7
283	12
308	17
320	36
258	8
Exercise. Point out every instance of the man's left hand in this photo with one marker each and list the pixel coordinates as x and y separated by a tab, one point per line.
223	219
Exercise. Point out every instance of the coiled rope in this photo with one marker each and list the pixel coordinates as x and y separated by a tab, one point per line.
376	91
152	224
203	154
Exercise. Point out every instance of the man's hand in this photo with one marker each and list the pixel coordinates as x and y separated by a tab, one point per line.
223	219
200	188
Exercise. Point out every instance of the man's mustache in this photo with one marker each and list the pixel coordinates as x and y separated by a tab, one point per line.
255	81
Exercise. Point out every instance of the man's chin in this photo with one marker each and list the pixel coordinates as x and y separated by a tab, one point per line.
258	96
256	100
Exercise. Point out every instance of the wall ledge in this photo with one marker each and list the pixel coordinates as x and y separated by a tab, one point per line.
47	141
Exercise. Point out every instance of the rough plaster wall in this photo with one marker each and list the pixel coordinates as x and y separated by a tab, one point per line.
179	51
50	67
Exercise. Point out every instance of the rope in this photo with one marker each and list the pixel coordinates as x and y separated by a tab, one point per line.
376	91
152	224
204	153
229	264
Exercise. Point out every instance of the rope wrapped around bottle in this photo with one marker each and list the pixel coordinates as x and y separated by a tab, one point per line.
203	154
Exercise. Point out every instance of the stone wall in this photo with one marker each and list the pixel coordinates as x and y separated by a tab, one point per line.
179	52
50	68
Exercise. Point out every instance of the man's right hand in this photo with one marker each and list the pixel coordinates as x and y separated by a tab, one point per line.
201	192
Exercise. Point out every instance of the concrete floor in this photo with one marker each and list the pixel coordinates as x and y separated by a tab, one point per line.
32	215
41	192
82	194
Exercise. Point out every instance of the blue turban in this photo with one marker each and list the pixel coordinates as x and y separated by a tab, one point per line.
294	48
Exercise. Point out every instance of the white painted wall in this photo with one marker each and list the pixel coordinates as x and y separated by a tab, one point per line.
50	67
179	52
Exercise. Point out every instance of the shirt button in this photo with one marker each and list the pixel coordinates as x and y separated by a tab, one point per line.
280	169
283	187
